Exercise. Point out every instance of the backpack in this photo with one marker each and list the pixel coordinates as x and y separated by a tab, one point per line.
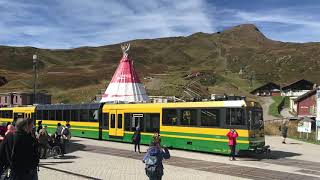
152	163
66	133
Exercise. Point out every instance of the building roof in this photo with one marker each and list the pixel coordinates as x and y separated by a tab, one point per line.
301	84
305	95
268	86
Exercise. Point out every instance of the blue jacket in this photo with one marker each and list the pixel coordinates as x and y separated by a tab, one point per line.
160	153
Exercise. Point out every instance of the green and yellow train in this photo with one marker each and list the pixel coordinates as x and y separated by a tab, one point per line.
198	126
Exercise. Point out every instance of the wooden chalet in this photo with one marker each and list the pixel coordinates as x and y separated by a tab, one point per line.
297	88
269	89
305	105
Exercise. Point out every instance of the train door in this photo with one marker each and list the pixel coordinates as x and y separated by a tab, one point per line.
116	128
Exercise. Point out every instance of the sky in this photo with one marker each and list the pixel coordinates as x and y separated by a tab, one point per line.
60	24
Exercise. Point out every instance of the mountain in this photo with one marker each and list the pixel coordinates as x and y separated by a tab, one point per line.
76	75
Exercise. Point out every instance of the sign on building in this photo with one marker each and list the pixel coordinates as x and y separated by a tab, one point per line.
304	126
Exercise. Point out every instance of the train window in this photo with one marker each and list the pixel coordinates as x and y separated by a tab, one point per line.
189	117
84	115
113	121
210	117
120	121
66	115
170	117
39	115
152	122
51	114
45	115
105	121
235	116
59	115
127	121
6	114
137	121
93	115
74	115
257	119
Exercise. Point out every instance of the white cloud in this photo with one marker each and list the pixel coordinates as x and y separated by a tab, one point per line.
74	23
279	17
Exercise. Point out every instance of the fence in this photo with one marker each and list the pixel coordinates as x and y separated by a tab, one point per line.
272	127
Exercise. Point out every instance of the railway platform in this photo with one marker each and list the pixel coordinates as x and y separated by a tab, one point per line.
93	159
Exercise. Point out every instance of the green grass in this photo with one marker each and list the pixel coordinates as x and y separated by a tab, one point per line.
83	70
286	102
273	109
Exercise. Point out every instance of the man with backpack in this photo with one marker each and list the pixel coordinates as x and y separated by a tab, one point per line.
66	136
153	160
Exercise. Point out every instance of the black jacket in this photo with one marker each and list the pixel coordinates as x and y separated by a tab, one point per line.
6	150
25	154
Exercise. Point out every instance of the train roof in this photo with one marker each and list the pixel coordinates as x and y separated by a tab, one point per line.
232	103
68	106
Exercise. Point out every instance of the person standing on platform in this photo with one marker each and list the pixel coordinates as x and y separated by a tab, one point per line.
65	137
59	131
10	129
43	139
153	161
39	126
284	132
232	136
136	138
156	138
20	152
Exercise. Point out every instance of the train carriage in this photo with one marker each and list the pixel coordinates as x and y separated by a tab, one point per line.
198	126
83	118
8	114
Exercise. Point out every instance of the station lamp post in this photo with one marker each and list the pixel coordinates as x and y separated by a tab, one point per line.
34	57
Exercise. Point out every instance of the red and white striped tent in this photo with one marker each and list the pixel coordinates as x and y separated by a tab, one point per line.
125	85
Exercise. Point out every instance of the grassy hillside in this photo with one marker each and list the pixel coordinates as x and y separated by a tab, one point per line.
76	75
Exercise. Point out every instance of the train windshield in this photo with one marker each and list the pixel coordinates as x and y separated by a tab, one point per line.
255	119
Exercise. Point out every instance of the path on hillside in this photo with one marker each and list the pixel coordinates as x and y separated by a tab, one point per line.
285	113
267	101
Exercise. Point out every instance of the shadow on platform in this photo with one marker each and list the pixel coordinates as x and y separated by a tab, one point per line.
274	154
55	162
74	146
70	173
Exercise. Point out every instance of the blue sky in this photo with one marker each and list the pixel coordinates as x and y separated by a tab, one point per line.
61	24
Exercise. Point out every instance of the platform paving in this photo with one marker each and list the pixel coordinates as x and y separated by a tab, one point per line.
92	159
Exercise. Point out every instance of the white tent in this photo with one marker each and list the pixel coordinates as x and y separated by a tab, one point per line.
125	85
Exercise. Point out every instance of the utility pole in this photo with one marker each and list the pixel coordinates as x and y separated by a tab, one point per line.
34	57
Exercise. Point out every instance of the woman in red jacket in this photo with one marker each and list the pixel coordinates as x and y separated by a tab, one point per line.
232	135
